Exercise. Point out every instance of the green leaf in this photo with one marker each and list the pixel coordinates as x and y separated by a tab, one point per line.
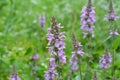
77	77
116	43
28	51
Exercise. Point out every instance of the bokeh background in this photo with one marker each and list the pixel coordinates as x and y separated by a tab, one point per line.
21	35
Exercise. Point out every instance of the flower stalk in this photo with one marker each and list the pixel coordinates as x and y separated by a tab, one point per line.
111	18
56	46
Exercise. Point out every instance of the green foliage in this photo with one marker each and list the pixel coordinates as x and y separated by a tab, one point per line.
21	35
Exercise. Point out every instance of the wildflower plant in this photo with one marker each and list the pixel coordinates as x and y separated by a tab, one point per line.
56	47
112	17
75	61
87	25
50	74
33	63
42	20
105	60
14	75
88	19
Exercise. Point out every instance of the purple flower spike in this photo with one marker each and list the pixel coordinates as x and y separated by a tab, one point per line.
77	46
50	74
73	62
34	57
56	43
80	52
111	15
115	32
88	19
105	60
42	20
77	51
52	63
55	47
14	75
50	38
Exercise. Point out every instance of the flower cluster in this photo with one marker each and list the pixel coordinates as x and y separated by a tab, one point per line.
34	57
42	20
105	60
34	64
73	62
74	59
77	46
14	75
88	19
56	41
115	32
50	74
111	15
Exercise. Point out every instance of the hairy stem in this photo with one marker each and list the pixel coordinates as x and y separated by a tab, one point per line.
113	51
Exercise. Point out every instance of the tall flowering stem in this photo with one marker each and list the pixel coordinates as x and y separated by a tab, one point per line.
105	61
56	45
75	62
88	19
87	25
42	20
14	74
95	76
50	74
34	65
111	18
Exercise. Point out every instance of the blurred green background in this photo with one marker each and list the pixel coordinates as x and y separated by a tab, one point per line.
21	35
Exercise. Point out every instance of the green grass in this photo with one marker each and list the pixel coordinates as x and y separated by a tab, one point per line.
21	36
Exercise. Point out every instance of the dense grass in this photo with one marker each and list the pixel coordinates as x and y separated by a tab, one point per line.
21	35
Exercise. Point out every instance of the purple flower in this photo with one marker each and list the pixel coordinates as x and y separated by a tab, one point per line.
52	62
73	62
80	52
77	46
34	57
14	75
115	32
62	59
77	51
50	74
56	41
59	26
55	47
88	19
59	44
42	20
105	60
50	38
111	15
61	56
34	65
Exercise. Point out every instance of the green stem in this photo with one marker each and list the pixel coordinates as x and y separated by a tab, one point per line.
88	55
113	53
80	70
104	72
